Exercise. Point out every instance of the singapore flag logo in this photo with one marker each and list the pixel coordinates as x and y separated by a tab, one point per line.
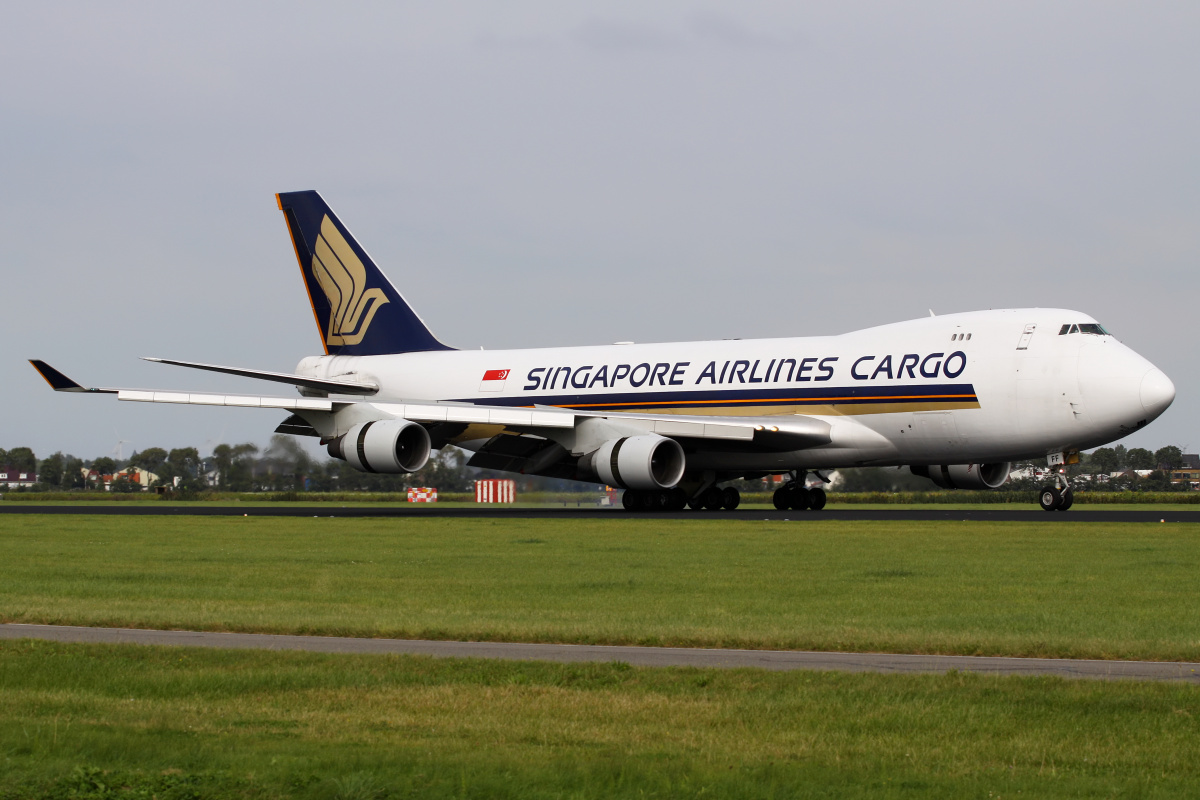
493	380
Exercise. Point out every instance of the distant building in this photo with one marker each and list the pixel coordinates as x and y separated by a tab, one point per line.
135	475
1191	460
13	478
1190	476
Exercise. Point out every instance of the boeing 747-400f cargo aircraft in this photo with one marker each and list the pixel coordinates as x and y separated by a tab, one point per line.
956	397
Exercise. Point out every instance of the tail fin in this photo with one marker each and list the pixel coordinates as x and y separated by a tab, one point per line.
358	311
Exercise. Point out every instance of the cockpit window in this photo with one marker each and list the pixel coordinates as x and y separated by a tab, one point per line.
1084	327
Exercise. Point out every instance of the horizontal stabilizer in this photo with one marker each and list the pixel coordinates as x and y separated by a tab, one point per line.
61	383
319	384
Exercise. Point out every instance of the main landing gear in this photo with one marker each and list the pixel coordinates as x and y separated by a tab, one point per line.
714	498
1058	497
795	495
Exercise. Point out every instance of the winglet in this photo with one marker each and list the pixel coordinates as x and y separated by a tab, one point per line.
58	382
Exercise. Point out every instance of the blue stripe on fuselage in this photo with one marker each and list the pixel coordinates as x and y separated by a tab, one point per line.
848	395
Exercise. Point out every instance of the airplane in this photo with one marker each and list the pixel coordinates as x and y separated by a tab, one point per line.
957	398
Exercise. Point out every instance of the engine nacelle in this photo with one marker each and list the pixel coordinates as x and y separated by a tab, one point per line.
965	476
639	462
389	445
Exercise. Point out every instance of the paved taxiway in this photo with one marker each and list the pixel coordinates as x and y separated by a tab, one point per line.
638	656
847	513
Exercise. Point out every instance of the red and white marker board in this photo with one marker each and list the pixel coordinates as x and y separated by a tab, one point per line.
496	491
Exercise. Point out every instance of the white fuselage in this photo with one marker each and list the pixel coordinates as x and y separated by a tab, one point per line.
978	387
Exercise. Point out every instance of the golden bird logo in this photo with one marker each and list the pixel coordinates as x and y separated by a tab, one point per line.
343	278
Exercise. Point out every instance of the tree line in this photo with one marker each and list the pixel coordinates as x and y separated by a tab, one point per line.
284	465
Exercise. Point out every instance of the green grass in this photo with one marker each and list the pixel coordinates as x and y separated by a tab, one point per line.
1032	588
123	721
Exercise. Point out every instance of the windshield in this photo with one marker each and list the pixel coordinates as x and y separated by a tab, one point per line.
1083	327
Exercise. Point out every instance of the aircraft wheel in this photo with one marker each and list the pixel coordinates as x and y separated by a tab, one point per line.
801	499
1066	499
731	498
818	499
782	499
658	501
696	503
677	500
632	500
1049	498
713	498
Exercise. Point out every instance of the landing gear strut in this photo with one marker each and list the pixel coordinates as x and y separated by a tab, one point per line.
796	496
1058	497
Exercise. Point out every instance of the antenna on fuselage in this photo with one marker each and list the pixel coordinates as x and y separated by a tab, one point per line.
931	313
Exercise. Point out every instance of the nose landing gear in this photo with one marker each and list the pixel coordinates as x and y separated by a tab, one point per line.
1058	497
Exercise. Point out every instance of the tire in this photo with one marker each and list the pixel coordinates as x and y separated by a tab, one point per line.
781	499
677	499
1066	500
631	500
731	498
818	499
1049	498
801	499
713	498
696	503
657	500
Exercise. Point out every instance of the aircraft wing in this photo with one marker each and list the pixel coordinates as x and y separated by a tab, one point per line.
775	433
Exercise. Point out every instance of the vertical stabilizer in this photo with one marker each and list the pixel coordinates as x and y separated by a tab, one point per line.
358	311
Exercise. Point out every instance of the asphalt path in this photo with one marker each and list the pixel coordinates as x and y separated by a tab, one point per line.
846	513
638	656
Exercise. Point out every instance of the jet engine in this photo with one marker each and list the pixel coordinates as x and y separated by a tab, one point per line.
638	462
391	446
965	476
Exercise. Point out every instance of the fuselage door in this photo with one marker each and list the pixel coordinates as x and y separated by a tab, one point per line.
1026	335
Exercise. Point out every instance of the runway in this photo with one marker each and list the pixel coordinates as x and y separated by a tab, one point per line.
471	511
636	656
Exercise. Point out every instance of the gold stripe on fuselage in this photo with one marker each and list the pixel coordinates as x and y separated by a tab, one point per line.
822	409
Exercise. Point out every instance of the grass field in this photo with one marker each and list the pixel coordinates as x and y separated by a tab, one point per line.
1046	589
122	721
90	721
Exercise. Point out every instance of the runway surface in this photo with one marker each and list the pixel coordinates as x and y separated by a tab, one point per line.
466	511
637	656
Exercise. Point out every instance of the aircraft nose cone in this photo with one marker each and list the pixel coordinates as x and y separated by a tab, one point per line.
1157	392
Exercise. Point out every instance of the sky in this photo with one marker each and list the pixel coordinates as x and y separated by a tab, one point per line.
547	173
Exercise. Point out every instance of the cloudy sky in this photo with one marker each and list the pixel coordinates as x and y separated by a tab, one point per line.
533	173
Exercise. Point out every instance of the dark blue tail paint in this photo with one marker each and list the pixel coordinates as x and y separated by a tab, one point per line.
358	311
